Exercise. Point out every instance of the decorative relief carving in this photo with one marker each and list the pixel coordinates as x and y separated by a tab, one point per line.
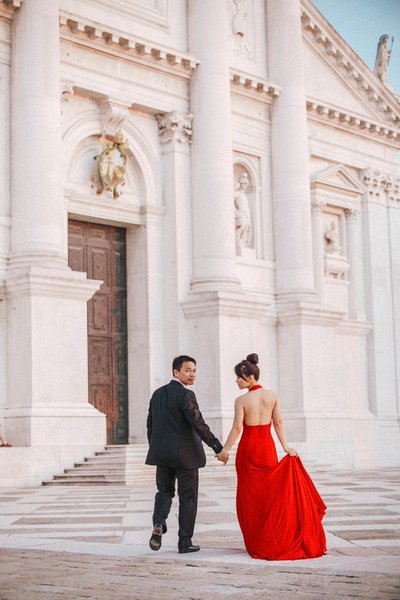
352	214
318	205
112	164
393	189
243	221
113	115
175	126
382	186
240	28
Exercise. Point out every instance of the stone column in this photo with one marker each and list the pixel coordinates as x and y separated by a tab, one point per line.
289	152
47	375
354	250
38	228
212	171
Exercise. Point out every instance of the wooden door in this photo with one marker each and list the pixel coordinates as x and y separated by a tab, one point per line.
100	251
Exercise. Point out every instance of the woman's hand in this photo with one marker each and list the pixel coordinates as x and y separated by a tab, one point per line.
223	456
290	451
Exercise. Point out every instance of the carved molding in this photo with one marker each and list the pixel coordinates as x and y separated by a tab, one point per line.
352	214
133	47
351	121
347	64
175	127
254	85
382	186
217	304
318	205
113	114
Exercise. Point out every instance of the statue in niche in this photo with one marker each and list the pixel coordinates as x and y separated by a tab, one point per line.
239	27
336	265
332	239
383	54
243	225
112	164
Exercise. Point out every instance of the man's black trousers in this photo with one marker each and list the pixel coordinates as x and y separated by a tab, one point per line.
188	485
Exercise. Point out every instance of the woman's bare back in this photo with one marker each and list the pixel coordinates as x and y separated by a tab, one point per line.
258	407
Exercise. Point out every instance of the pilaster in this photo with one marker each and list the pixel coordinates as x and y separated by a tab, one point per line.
175	131
46	303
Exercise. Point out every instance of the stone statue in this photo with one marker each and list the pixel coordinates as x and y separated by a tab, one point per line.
332	238
239	27
243	226
383	54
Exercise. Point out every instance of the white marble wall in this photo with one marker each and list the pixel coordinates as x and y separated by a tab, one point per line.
328	341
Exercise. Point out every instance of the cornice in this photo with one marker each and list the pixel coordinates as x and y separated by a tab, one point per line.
122	212
39	281
348	121
253	86
352	327
229	304
90	33
348	64
308	313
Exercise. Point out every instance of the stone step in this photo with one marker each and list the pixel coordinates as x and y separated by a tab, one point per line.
125	465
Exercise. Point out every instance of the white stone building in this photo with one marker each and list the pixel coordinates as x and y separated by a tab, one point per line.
260	213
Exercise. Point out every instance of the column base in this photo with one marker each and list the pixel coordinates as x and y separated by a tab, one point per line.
55	425
337	439
212	284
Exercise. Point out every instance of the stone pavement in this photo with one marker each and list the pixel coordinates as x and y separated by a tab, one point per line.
92	542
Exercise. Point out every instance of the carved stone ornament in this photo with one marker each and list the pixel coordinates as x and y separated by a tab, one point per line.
243	224
175	126
112	164
352	214
239	28
113	114
336	265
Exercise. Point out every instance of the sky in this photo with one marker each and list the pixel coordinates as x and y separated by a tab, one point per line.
361	23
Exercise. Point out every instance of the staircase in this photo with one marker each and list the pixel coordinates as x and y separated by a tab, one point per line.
124	465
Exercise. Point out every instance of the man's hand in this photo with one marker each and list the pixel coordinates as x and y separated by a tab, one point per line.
223	456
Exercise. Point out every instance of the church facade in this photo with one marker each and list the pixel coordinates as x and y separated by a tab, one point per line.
204	177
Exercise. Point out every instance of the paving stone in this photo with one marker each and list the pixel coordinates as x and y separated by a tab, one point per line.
92	542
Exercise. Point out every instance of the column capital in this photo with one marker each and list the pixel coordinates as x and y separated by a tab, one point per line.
352	214
175	127
318	205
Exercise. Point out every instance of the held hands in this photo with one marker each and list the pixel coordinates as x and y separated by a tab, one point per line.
223	456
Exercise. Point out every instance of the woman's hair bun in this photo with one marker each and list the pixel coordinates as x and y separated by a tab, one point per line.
252	358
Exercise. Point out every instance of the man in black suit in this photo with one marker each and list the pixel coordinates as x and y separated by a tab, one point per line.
175	428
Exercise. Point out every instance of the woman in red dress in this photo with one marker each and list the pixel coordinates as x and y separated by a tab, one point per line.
278	507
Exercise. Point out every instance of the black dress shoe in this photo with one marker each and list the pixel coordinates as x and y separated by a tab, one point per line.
164	528
186	549
155	540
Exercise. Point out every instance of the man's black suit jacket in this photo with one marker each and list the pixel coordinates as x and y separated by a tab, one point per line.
174	428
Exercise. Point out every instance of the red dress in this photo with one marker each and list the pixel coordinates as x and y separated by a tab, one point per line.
278	507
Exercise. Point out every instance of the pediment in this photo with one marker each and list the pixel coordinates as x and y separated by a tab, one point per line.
337	178
336	75
328	86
